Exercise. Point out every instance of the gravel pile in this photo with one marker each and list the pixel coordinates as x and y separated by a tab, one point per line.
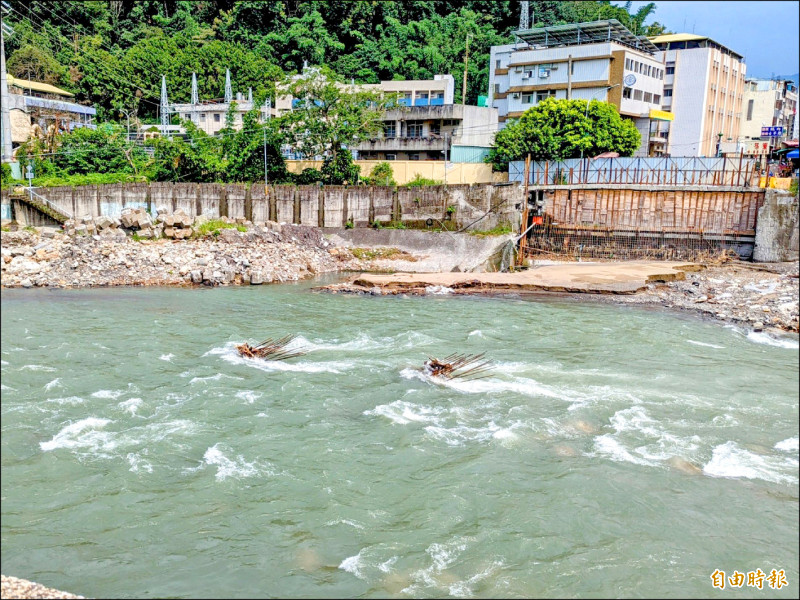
13	587
49	258
758	296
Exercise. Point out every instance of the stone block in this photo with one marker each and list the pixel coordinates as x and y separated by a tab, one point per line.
169	232
197	277
256	278
200	219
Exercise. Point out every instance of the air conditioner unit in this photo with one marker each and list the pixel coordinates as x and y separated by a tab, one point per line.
515	95
544	73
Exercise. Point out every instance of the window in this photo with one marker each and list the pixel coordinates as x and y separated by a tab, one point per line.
436	128
667	92
497	64
527	98
187	116
391	157
389	130
670	68
415	131
202	116
496	88
637	94
545	94
217	117
750	110
626	92
527	74
647	70
648	97
656	99
628	64
413	157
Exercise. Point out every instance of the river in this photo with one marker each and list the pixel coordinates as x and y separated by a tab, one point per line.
613	451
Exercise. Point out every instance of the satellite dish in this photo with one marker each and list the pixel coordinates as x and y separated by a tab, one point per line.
629	80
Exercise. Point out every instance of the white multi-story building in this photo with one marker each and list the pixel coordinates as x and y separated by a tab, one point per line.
703	89
601	60
424	124
767	103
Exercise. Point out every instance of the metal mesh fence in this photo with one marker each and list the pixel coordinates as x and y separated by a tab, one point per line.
571	241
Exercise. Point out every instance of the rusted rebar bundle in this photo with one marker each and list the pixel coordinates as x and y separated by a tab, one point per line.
458	366
272	349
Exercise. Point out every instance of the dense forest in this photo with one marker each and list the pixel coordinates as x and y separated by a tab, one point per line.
112	53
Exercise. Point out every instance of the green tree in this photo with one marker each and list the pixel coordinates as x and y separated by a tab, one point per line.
339	169
558	129
329	117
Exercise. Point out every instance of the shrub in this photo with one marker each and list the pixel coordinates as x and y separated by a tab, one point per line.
381	174
420	181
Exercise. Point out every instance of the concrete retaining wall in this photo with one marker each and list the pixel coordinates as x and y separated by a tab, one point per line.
326	206
777	229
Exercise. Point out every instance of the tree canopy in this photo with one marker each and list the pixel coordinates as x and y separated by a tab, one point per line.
112	53
558	129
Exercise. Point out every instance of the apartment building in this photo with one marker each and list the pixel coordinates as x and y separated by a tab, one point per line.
599	60
424	124
767	103
209	116
704	90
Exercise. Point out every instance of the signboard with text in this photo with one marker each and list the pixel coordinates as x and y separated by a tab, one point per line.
771	131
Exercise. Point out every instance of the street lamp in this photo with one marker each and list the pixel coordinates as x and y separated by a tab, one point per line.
590	101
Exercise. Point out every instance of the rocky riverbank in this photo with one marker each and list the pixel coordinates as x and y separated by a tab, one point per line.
272	253
755	296
758	296
14	587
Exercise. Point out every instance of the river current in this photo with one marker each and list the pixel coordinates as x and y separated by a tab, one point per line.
613	451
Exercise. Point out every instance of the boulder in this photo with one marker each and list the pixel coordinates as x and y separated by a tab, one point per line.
256	278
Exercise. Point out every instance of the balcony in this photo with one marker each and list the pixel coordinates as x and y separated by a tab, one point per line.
403	144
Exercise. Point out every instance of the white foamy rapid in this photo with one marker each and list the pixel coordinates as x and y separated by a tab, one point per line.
705	344
131	405
229	354
82	434
36	368
729	460
167	357
789	445
525	386
454	425
236	468
248	395
642	440
108	394
353	564
55	383
759	337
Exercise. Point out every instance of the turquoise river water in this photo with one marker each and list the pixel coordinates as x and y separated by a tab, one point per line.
613	451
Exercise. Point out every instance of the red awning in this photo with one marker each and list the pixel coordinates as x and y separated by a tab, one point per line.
790	143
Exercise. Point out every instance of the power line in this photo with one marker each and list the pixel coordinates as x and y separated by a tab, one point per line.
107	66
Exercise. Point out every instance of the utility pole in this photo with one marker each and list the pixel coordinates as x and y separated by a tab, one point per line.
267	110
4	99
445	159
466	64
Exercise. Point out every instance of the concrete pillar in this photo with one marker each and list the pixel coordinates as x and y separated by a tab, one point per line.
777	229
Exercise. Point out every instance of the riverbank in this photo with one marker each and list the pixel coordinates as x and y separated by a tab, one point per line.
755	296
14	587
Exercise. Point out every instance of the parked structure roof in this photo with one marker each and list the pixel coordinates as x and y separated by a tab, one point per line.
38	86
591	32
